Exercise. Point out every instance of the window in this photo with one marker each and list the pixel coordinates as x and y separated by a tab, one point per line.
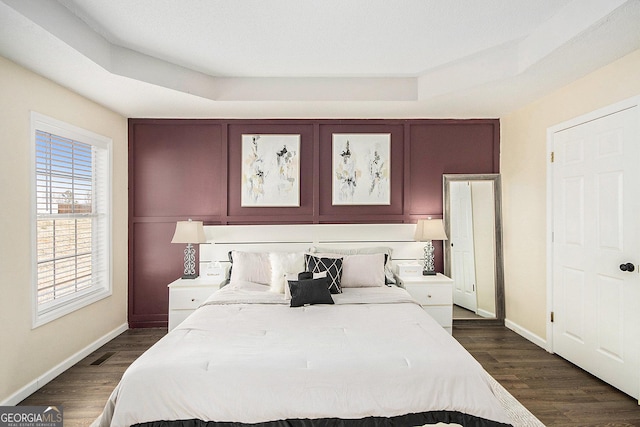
71	218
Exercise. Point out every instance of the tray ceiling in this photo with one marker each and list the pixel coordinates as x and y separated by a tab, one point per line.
302	58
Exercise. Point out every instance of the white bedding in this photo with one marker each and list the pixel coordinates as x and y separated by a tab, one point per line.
246	356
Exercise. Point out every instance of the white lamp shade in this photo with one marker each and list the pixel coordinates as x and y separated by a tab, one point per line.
429	229
189	232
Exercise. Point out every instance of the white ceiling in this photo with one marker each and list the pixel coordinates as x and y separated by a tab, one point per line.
322	58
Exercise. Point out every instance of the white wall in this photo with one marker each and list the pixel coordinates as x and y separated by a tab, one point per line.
26	354
524	170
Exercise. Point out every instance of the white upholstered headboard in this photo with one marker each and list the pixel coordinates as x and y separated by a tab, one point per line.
290	238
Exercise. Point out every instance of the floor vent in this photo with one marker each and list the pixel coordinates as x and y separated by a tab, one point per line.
100	360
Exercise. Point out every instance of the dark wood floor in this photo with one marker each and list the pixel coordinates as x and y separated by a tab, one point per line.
83	390
554	390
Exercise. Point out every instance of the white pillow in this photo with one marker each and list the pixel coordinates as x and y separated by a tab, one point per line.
282	264
362	251
362	271
251	267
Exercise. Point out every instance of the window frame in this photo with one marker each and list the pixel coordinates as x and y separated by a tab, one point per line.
49	311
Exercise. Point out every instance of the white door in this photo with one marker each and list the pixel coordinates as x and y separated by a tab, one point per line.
463	269
596	222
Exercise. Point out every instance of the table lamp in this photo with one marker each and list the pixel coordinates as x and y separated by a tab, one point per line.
189	232
428	230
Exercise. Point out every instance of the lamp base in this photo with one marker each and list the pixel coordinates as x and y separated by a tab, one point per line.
189	262
429	268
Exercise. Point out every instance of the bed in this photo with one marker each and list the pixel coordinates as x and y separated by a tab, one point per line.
261	353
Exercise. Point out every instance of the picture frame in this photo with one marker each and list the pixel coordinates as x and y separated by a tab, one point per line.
361	169
270	170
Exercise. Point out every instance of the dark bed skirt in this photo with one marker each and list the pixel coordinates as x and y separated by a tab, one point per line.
420	419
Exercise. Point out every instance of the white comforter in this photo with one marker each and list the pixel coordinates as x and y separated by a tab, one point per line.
246	356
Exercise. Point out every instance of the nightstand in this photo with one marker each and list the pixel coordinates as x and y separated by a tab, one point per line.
185	295
435	294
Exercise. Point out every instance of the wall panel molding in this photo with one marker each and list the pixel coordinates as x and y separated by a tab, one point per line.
190	168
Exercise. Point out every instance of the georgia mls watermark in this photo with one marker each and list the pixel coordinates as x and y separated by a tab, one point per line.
30	416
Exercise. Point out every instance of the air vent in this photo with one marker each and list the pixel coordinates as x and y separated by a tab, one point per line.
100	360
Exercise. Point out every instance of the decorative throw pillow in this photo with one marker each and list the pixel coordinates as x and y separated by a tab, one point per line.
310	291
282	264
333	267
362	271
388	271
251	267
304	275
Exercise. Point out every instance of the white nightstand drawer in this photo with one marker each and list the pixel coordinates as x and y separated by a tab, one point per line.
441	314
188	298
435	294
430	295
185	295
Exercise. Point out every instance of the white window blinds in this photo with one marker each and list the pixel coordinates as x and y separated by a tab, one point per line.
72	218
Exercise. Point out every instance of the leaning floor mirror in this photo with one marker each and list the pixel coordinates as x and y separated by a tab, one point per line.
473	253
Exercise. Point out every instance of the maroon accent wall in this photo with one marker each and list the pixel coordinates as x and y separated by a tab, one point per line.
437	148
181	169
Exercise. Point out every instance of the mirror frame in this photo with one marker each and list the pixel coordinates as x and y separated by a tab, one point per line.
499	264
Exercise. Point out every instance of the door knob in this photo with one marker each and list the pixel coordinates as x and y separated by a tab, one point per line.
627	267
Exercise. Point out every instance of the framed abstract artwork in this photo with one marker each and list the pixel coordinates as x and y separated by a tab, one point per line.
361	171
270	170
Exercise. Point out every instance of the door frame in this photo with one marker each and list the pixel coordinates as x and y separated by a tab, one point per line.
576	121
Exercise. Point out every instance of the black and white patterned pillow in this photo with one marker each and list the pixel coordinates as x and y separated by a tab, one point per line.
333	267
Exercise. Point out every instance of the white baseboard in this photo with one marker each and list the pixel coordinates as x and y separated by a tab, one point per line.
39	382
525	333
486	314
